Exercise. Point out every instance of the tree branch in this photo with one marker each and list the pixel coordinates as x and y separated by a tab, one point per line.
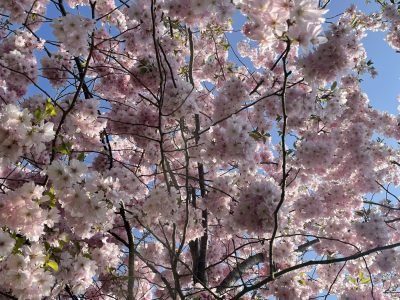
283	141
235	274
311	263
131	255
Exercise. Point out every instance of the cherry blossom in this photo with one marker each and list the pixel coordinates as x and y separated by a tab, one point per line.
6	243
161	149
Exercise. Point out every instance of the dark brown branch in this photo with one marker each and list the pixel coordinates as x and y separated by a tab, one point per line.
168	64
131	254
147	262
334	281
311	263
199	247
240	269
257	86
8	296
69	292
283	149
306	245
190	36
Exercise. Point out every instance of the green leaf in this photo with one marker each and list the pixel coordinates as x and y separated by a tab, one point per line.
38	114
52	196
352	280
64	240
302	282
334	85
211	58
259	136
331	256
19	242
53	265
225	46
64	148
355	22
50	109
47	246
81	156
365	281
361	275
359	213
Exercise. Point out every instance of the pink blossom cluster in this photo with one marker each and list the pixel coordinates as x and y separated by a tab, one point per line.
291	286
391	13
342	52
373	232
72	31
230	98
78	271
55	68
218	203
163	163
26	204
83	123
301	20
141	127
162	207
18	65
25	275
104	8
256	206
25	11
179	101
198	12
316	152
7	244
229	142
20	133
84	192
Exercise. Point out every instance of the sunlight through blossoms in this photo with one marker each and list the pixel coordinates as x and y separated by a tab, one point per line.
162	149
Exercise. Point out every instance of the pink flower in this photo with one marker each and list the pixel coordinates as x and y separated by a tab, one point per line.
6	243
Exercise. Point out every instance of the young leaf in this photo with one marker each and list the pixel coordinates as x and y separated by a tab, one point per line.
53	265
38	114
352	280
81	156
64	148
52	196
302	282
50	109
365	281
